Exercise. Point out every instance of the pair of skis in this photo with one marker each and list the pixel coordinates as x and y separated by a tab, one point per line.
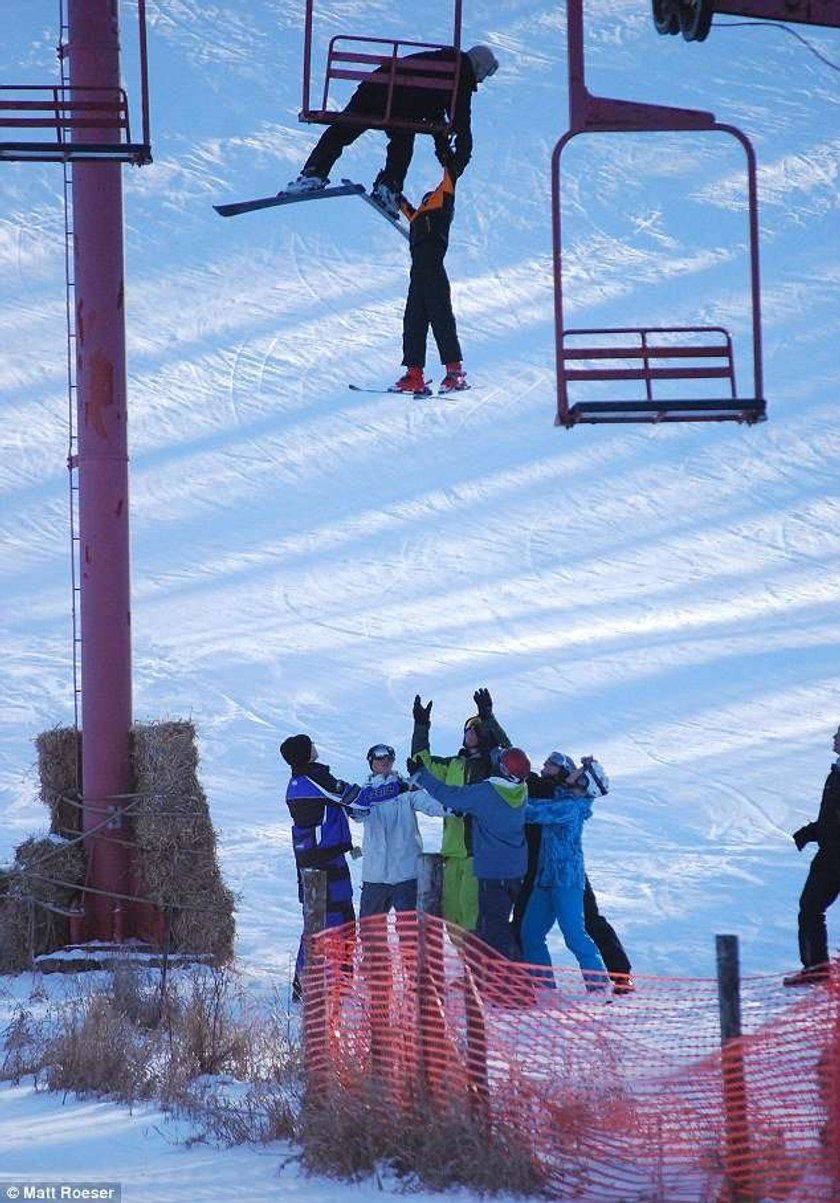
400	392
345	188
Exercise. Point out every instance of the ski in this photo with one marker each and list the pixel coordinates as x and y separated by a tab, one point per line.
394	221
358	388
383	392
346	188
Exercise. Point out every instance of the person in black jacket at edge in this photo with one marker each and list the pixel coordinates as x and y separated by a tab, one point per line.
822	885
409	103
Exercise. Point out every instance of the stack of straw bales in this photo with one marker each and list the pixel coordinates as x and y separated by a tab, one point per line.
176	844
43	882
175	858
58	771
41	886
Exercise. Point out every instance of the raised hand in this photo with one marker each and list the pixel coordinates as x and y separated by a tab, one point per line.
422	714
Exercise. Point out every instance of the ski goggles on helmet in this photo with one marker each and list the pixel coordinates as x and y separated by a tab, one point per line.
473	724
381	752
563	762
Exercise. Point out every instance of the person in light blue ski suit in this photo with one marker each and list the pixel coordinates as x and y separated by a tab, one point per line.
321	838
560	802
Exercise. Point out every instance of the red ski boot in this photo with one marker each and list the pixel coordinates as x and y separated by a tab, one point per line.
455	380
412	382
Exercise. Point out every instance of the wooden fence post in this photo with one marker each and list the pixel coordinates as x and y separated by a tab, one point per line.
314	888
431	980
736	1123
430	883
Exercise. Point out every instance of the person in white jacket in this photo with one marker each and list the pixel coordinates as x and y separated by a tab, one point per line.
392	843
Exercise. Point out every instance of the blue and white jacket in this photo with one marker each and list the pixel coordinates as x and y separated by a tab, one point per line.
387	806
320	831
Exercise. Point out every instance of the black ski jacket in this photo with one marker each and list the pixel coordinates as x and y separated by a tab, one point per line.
428	104
826	829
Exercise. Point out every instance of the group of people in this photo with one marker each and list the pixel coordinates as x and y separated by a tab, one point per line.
511	843
423	101
512	849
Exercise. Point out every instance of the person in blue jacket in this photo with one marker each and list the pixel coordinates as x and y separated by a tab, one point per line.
500	857
560	802
318	804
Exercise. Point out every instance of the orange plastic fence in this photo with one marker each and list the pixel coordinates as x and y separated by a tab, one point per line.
630	1099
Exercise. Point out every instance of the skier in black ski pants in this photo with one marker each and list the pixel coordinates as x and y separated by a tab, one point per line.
429	300
822	886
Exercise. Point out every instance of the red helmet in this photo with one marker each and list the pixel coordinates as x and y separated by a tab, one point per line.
514	764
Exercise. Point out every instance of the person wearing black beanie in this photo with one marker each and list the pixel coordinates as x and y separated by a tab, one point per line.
297	751
321	839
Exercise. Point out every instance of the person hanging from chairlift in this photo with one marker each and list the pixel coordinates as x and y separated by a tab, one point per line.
409	103
429	300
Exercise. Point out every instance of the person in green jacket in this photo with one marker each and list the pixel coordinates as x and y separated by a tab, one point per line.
482	733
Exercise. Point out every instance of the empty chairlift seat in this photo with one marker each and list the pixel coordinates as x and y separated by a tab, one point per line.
650	374
54	123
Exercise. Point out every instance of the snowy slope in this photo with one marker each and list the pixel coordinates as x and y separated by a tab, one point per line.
308	559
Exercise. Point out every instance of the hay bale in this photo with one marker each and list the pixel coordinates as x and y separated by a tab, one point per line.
176	844
31	921
58	771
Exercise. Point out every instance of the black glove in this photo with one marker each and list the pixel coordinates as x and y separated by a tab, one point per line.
422	714
413	765
484	702
804	836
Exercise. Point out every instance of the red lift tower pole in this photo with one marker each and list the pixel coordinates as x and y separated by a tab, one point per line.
94	62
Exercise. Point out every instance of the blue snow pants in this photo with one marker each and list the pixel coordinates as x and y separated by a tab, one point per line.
562	905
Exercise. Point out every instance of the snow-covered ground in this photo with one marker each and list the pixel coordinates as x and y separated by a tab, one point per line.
305	558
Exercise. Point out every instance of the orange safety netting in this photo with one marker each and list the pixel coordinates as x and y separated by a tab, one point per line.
627	1099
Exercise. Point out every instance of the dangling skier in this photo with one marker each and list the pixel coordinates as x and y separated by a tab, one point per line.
429	300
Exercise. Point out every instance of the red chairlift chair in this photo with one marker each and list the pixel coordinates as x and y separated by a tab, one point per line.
648	357
378	60
693	18
62	123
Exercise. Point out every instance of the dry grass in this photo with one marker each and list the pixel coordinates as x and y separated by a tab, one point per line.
22	1047
349	1137
178	1042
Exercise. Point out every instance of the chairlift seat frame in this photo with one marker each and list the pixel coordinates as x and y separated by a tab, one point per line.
660	357
56	114
592	114
67	112
359	58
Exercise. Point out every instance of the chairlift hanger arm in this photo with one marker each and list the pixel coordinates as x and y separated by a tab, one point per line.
694	17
